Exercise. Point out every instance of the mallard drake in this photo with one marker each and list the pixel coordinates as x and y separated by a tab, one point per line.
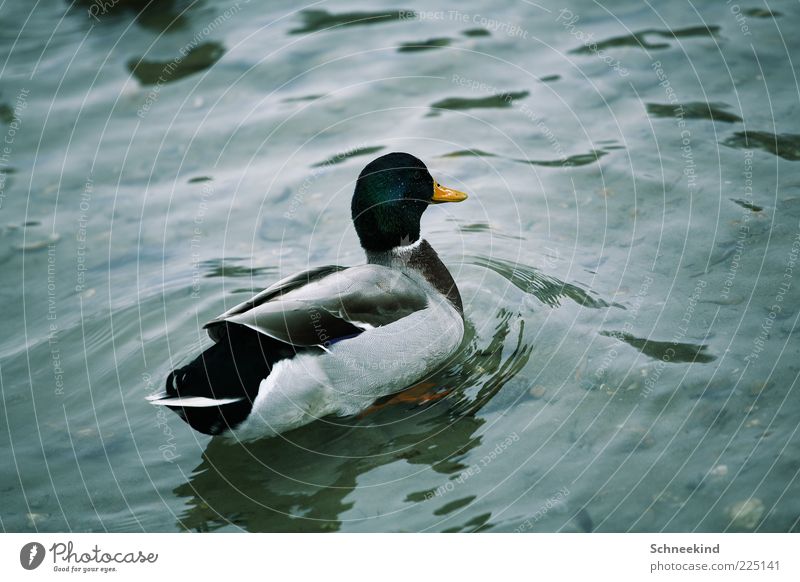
332	340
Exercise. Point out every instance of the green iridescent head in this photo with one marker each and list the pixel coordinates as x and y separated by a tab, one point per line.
391	194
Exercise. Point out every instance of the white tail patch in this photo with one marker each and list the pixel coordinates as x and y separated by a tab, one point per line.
190	401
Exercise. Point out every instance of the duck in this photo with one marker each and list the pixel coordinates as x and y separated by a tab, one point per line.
332	340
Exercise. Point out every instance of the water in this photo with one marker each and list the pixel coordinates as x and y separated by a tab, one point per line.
627	258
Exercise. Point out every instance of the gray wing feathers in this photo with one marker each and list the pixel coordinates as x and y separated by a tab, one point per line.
312	310
283	286
299	323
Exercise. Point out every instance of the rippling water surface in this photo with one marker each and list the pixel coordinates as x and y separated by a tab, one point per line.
628	258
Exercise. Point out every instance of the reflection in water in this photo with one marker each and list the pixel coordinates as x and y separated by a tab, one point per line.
303	98
499	101
639	39
762	13
669	352
565	162
353	153
693	110
490	364
197	59
6	113
228	268
424	45
747	205
545	288
784	145
158	16
473	32
478	227
569	161
315	20
301	481
469	153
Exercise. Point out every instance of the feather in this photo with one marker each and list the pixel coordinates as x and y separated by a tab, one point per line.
332	305
191	401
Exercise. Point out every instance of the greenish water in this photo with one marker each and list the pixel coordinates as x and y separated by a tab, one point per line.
627	258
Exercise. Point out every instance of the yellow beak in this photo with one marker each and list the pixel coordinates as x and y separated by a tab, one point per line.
443	194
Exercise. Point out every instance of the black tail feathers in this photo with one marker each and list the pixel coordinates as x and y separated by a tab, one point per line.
215	392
